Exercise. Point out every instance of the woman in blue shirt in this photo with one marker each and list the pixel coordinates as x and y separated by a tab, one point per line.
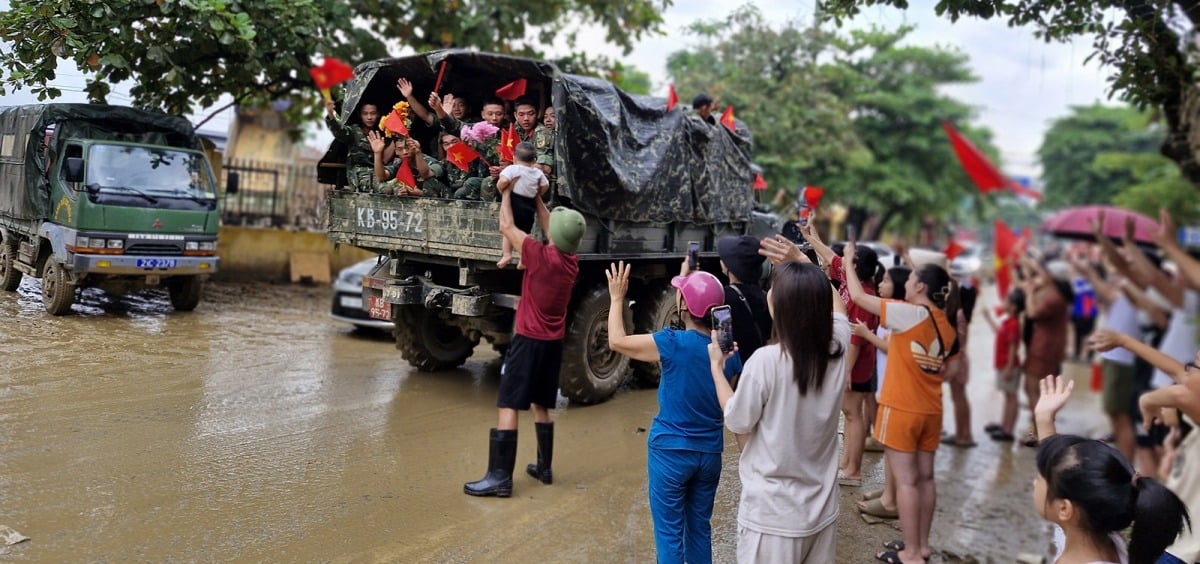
686	438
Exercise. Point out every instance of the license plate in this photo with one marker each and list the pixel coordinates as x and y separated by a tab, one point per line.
351	302
379	309
156	263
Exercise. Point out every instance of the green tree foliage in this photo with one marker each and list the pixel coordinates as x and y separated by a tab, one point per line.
1072	144
859	115
183	54
1143	42
1155	182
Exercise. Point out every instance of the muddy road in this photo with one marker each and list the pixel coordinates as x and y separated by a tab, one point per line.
256	429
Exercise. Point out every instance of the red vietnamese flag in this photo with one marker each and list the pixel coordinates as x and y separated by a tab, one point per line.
1006	245
727	119
672	98
395	124
512	90
461	155
952	250
404	175
813	195
508	143
982	172
331	72
760	183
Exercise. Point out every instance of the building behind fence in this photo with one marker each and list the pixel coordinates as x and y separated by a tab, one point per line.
280	194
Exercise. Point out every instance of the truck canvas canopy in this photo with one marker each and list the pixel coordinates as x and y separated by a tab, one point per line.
26	152
619	156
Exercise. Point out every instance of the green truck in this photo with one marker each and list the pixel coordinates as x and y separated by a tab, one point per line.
648	181
105	196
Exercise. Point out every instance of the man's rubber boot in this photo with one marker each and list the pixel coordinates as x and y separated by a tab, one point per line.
545	453
502	457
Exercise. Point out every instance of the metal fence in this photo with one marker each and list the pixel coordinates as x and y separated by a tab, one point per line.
274	194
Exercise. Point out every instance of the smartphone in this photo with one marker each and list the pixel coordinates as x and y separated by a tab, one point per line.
693	255
722	322
851	233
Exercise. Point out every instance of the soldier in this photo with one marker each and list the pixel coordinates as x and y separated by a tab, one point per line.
493	114
703	106
425	169
543	139
462	184
359	158
526	119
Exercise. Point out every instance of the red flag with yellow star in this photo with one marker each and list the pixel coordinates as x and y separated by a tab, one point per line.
508	143
727	119
330	73
461	155
404	175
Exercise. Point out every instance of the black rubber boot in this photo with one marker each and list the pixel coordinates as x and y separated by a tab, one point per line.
502	457
545	453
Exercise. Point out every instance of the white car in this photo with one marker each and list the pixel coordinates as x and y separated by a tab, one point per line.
887	257
347	297
968	263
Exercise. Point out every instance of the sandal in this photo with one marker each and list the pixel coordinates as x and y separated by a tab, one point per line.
991	428
1030	440
875	508
891	557
1001	436
873	494
895	545
954	442
849	482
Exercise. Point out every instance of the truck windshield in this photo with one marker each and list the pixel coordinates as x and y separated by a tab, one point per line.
158	173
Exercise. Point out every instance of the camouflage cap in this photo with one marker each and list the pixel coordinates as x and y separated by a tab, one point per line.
566	229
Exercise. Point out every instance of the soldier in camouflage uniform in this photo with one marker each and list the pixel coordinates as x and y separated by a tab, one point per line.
461	183
425	169
543	139
359	157
493	113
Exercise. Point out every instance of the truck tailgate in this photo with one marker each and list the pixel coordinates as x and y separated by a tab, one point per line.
448	228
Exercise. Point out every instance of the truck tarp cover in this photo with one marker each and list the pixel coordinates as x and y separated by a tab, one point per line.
24	187
619	155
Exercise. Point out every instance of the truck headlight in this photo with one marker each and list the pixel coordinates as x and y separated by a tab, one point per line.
116	244
191	246
81	241
96	243
208	246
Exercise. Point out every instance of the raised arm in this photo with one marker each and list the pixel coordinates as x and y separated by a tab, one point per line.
1177	396
864	300
1107	339
1189	268
1105	292
378	144
809	232
1141	300
508	228
1055	392
1145	273
637	347
543	217
406	88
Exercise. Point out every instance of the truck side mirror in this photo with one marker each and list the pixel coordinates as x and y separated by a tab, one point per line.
73	168
231	182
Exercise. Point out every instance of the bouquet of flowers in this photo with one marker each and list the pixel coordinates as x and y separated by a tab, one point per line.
478	133
398	121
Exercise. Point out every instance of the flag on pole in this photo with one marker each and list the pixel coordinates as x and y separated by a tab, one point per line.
441	73
727	119
952	250
986	176
1007	247
512	91
461	155
395	124
508	143
813	195
331	72
760	183
672	98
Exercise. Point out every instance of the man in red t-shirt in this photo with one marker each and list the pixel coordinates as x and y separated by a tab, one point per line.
529	376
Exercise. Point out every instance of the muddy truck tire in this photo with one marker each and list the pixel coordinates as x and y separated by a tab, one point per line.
58	293
591	372
185	292
429	344
10	277
654	310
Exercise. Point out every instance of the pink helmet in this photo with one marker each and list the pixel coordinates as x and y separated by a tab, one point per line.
701	292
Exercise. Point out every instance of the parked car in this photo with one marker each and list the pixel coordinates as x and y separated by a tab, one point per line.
348	298
887	256
970	263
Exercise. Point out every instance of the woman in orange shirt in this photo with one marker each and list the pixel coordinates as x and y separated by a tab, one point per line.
909	419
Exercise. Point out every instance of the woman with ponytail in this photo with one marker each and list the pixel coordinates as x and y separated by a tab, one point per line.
1091	493
909	420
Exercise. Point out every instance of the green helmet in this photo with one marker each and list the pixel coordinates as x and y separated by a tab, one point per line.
566	229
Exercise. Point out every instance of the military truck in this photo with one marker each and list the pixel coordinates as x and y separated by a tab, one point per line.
648	182
105	196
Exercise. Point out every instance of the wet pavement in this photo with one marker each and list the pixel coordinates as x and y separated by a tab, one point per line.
257	429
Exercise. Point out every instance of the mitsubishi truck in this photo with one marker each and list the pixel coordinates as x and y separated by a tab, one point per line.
648	181
105	196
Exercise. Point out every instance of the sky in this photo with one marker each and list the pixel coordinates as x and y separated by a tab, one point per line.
1024	83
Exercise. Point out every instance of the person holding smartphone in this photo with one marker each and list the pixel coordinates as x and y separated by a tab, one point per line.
686	440
785	416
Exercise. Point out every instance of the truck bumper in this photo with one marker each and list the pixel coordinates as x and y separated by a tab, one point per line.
382	293
143	265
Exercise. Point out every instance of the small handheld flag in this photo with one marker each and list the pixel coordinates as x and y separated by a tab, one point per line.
330	73
395	124
404	175
760	183
512	91
728	120
672	98
461	155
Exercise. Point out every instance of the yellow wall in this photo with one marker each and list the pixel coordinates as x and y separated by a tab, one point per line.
253	254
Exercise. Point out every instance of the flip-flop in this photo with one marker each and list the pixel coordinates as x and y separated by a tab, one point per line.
875	508
873	494
849	482
896	545
954	442
891	557
1001	436
992	427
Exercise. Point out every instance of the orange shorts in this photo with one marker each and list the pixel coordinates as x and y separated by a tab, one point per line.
907	432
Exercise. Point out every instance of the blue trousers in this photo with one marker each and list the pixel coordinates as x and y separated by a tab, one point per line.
683	485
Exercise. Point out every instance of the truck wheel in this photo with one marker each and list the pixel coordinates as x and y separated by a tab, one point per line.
10	277
591	372
58	293
429	344
185	292
654	311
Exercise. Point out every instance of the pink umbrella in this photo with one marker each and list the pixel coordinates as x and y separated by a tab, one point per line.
1076	223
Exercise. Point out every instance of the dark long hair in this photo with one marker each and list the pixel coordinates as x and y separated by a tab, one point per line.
803	322
940	288
1098	480
866	266
899	276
